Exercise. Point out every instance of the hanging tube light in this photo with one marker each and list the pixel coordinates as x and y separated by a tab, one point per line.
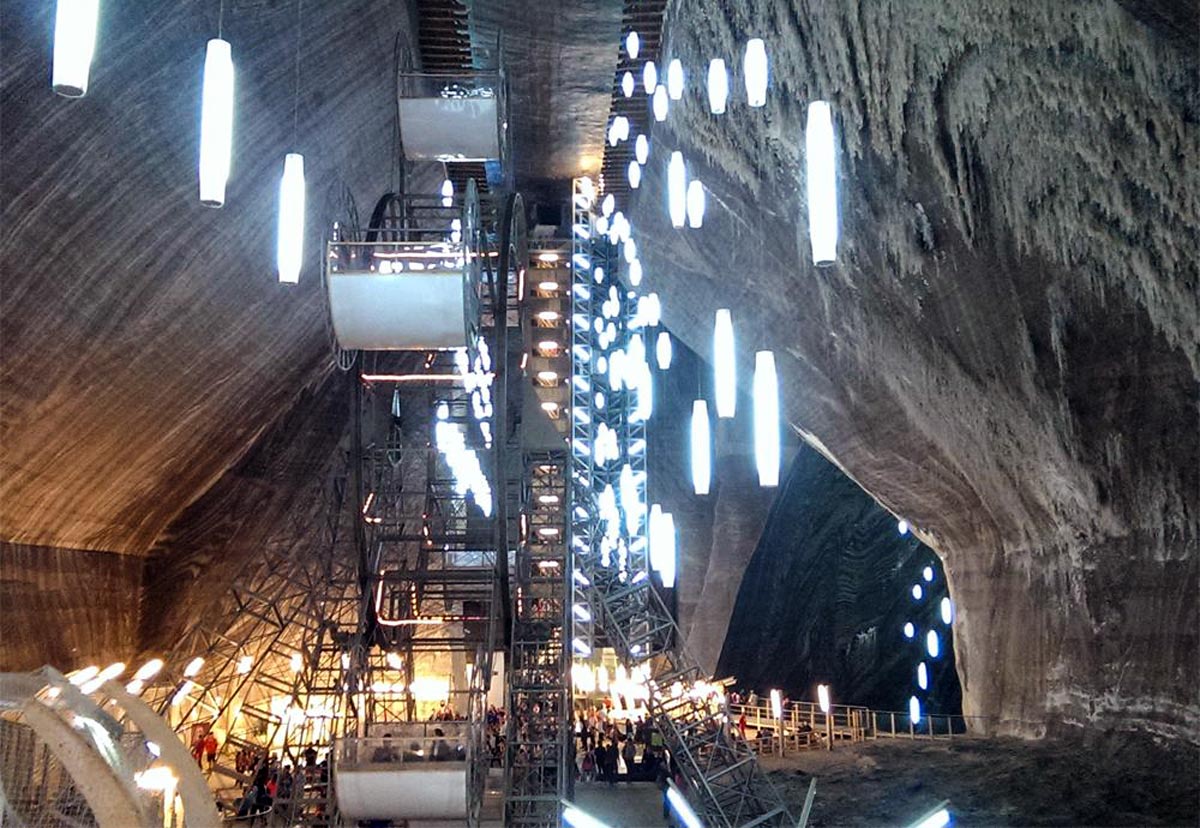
724	367
822	183
216	123
649	77
447	192
695	204
754	71
677	189
662	350
660	103
632	45
701	448
766	419
718	86
74	45
635	174
675	79
290	252
641	148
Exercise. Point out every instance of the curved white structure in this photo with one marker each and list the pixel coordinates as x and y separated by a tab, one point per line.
437	791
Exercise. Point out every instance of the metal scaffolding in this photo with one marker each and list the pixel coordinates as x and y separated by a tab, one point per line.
615	602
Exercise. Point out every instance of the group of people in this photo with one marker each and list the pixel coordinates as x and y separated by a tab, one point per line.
609	750
204	746
275	782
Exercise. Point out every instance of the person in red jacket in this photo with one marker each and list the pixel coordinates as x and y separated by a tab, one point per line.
210	749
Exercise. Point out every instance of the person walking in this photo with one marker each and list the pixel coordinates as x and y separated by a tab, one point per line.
210	749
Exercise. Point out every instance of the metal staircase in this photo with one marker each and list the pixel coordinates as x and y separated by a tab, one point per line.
615	601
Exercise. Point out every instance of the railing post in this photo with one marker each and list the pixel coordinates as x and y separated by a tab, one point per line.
893	715
931	727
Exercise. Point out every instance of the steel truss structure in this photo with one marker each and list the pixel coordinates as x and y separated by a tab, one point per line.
614	601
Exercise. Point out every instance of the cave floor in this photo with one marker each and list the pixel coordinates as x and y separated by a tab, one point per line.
1062	781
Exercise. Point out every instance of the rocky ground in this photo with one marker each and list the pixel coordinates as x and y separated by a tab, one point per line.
1065	781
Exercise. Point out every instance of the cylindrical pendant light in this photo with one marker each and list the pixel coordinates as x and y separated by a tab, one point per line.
677	189
754	72
662	350
632	45
75	24
724	365
822	183
641	148
718	86
766	419
701	448
675	79
290	252
447	192
695	204
635	174
627	84
216	123
660	103
649	77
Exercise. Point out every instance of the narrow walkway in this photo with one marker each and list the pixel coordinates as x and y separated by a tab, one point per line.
624	805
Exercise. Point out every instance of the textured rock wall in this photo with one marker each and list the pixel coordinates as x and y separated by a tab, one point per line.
717	532
827	594
146	339
1007	352
66	607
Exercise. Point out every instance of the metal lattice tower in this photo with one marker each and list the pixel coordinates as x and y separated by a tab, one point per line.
614	599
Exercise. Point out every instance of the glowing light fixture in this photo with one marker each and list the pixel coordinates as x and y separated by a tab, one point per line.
724	367
447	192
633	45
216	123
675	79
917	592
74	45
902	527
922	676
193	667
148	670
607	205
641	149
927	573
682	808
754	71
909	629
822	183
579	819
947	611
695	204
297	662
662	350
701	450
938	819
718	86
244	664
661	105
635	272
677	189
289	255
823	697
933	644
777	704
914	709
649	77
766	419
156	778
635	174
627	84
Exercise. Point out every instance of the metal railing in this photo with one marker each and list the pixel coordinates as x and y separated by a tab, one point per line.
410	743
805	724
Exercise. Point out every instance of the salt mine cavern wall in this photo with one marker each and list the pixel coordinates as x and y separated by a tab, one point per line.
1007	352
826	596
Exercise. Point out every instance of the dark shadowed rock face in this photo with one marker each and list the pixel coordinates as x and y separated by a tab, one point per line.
826	597
1007	352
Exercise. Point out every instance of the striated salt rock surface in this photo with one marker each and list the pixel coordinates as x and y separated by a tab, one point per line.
1008	351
